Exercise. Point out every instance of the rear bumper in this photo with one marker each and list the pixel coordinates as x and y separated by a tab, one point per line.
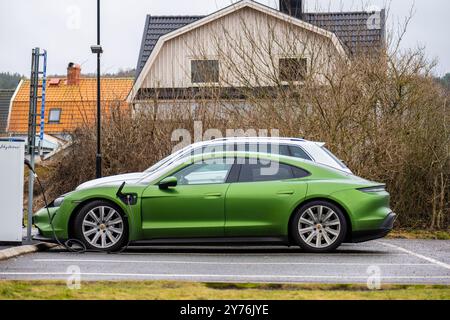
367	235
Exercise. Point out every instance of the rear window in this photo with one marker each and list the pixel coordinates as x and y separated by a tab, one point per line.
339	162
298	152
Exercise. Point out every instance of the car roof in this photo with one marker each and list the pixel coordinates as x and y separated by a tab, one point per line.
294	141
259	139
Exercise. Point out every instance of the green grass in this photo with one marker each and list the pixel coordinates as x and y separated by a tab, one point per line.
169	290
419	234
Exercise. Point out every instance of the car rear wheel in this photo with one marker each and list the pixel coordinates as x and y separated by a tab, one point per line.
319	226
101	226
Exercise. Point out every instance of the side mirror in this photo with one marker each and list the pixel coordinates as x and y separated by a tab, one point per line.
168	182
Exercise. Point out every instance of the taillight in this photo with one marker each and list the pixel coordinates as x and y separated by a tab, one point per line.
373	189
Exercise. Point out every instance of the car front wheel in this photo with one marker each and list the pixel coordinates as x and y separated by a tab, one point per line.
101	226
319	227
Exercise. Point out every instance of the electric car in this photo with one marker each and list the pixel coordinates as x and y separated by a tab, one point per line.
224	197
293	147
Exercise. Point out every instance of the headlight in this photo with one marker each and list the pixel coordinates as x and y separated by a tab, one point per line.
373	189
57	203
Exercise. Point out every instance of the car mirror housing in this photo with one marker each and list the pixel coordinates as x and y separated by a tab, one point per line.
168	182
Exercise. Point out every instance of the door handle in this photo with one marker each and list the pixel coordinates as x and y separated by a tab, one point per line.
212	195
285	193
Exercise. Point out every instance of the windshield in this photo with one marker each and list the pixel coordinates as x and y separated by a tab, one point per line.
168	159
153	175
190	150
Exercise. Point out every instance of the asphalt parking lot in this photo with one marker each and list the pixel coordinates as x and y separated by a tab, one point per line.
395	261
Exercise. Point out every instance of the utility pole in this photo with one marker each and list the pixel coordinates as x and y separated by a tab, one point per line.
97	49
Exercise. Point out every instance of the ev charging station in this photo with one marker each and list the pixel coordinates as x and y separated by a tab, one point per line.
12	153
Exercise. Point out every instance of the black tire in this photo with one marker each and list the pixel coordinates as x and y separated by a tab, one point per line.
78	226
337	239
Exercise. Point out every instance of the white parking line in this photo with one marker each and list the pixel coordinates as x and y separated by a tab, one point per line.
217	276
228	263
271	254
417	255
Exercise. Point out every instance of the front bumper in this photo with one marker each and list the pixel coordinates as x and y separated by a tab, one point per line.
41	238
383	231
44	219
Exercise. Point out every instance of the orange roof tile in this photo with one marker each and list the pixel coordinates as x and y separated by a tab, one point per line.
111	89
76	102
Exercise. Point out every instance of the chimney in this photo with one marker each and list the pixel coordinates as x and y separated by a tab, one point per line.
73	74
293	8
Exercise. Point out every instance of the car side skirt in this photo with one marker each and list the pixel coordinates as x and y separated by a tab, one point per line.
225	241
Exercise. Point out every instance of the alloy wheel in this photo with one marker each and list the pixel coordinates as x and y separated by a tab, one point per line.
103	227
319	226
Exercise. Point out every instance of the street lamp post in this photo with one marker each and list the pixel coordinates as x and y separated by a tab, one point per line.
97	49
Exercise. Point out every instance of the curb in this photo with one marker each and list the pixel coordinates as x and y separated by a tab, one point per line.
19	251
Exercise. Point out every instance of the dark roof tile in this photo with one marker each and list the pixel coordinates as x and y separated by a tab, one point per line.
155	27
350	27
5	100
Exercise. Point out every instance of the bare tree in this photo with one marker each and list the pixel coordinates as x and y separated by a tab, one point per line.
382	113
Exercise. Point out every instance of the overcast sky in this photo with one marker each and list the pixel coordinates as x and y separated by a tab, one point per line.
67	28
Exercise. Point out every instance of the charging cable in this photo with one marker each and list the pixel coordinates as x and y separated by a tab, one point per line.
69	243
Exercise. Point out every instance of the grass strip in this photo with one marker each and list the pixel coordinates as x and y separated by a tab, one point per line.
171	290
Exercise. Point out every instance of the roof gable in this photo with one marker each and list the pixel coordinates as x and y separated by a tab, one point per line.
156	27
350	27
224	12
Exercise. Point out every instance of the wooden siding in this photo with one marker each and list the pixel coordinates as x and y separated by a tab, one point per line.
171	67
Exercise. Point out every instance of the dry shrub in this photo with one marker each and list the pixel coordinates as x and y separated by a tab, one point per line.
383	114
387	126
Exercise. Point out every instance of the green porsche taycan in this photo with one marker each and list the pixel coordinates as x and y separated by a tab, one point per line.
224	198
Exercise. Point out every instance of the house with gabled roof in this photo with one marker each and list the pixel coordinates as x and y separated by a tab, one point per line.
70	102
170	62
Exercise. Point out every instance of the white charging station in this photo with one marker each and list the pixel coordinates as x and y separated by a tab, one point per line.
12	153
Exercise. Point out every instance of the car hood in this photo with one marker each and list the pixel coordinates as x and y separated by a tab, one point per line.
129	178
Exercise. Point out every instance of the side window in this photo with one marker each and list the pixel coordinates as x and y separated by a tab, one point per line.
298	152
204	173
272	171
284	150
299	173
